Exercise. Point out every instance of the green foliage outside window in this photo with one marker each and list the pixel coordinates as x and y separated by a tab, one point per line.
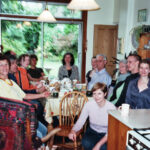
26	38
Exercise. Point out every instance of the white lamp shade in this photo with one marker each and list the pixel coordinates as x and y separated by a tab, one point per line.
83	5
46	16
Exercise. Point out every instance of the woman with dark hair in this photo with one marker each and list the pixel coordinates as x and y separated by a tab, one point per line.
34	73
138	92
95	137
68	69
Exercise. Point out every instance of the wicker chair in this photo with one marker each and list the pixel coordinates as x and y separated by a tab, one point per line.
70	108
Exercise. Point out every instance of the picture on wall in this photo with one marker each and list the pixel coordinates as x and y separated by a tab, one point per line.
120	46
142	15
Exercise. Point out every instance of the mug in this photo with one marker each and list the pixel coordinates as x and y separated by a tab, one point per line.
55	94
124	109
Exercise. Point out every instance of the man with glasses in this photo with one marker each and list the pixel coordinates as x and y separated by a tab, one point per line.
101	75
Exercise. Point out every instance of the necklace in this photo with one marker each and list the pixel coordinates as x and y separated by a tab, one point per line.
9	82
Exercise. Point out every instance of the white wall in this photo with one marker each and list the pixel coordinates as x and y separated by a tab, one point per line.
103	16
109	14
129	11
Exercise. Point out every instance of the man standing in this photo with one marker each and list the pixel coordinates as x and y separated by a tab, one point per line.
133	65
101	75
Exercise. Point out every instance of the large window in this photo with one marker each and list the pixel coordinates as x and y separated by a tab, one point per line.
35	8
49	41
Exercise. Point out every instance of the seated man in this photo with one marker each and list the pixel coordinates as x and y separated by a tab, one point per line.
101	75
94	68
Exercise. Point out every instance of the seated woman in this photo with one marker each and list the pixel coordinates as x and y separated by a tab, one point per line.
34	73
9	89
95	137
68	69
13	70
21	75
138	92
123	74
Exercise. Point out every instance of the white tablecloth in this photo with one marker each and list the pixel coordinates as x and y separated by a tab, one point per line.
52	107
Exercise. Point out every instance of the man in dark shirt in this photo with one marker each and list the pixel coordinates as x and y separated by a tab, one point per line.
133	65
94	67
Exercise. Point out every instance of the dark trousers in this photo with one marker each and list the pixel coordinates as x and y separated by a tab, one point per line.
91	138
40	112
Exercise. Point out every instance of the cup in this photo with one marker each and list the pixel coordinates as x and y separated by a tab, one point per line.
124	109
55	94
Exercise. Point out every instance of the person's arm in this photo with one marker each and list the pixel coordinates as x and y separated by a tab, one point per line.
128	99
100	143
36	96
60	75
80	122
34	79
77	73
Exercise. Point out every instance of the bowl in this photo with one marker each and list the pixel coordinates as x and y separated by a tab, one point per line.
79	86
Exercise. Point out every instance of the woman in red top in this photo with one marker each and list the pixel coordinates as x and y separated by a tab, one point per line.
21	75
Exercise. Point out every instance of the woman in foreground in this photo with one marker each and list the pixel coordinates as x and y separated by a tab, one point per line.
95	137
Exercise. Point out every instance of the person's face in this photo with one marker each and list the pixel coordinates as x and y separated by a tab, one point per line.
99	96
67	59
4	68
122	68
101	63
25	62
132	63
94	63
33	62
144	70
13	66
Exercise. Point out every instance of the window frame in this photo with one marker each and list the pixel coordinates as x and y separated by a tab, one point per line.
83	20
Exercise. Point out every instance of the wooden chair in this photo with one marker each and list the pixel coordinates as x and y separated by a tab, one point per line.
70	108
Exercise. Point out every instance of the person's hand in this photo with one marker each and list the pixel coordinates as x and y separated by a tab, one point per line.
97	147
72	135
41	89
46	94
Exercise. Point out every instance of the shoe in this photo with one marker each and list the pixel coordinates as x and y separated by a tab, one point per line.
50	134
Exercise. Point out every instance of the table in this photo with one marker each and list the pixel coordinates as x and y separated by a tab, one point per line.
52	107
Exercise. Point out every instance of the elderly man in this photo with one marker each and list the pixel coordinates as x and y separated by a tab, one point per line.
101	75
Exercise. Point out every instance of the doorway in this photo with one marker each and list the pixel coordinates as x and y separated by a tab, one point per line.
105	42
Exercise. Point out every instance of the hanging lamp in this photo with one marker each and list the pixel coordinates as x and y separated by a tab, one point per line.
84	5
46	16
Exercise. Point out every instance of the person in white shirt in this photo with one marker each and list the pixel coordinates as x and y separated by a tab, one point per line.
101	75
95	137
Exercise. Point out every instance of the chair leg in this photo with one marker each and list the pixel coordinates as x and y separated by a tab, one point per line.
51	142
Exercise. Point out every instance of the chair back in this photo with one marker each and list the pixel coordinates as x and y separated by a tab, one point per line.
70	108
18	124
